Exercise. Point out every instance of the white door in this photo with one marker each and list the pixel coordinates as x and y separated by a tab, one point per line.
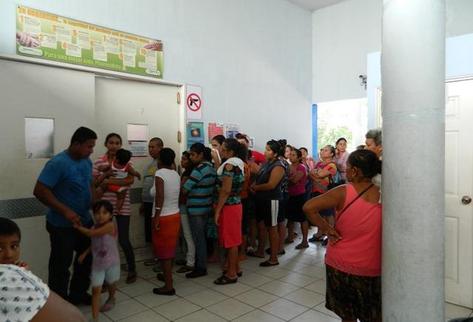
121	102
458	186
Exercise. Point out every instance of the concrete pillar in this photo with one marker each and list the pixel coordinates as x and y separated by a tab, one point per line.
413	79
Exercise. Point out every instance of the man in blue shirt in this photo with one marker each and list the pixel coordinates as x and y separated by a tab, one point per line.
65	187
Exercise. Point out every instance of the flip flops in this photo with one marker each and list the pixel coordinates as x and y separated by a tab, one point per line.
224	280
268	264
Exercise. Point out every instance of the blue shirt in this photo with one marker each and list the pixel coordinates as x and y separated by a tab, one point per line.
70	181
201	188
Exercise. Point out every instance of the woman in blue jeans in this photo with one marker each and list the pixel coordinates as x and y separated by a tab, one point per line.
199	189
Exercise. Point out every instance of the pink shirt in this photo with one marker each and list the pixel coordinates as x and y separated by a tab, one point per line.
112	196
298	188
359	250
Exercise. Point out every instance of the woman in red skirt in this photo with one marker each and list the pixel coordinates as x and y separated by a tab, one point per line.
228	213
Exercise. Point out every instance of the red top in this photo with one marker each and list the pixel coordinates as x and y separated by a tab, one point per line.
258	157
359	250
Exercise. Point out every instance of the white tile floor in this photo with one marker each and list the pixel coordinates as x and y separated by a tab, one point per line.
292	291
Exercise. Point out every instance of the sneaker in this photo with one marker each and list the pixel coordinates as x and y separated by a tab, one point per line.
195	274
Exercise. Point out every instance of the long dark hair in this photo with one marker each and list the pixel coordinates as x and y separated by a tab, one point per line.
239	150
276	147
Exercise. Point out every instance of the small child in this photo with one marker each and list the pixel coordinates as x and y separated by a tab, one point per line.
106	260
121	168
10	237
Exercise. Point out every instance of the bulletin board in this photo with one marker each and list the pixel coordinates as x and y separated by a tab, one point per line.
45	35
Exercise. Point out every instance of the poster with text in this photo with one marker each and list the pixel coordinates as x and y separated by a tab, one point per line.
214	130
45	35
231	130
195	133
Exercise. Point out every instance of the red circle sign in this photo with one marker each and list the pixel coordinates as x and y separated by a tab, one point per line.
194	102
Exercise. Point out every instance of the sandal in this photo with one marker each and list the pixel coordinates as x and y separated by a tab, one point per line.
107	306
253	254
239	274
164	291
315	238
268	264
282	252
224	280
288	241
302	246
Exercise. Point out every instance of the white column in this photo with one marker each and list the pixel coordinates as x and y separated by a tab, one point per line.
413	79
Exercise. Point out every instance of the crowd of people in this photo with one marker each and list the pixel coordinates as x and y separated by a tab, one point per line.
224	197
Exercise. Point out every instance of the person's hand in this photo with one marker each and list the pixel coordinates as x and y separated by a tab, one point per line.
217	216
156	223
156	46
333	236
81	258
138	175
23	264
72	217
27	40
252	188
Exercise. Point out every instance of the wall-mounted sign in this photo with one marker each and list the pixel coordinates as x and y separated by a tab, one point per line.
195	133
194	102
45	35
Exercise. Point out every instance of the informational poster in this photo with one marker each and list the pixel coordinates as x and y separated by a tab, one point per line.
195	133
231	130
214	130
45	35
137	135
194	102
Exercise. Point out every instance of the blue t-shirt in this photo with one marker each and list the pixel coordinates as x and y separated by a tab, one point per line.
70	182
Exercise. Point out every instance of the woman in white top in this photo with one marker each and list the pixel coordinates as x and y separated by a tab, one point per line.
166	218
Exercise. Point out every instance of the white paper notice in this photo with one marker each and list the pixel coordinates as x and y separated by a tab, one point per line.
73	50
99	52
49	41
112	45
151	60
63	34
32	25
128	47
129	60
137	132
83	39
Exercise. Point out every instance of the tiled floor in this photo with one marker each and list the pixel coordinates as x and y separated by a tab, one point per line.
292	291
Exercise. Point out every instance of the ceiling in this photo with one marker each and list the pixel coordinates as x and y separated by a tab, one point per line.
313	5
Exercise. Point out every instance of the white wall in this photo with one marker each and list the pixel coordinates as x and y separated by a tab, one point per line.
344	34
250	57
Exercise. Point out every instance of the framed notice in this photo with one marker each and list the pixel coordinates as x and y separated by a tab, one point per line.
45	35
195	133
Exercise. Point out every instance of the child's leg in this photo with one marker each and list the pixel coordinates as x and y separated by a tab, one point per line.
96	291
112	289
120	200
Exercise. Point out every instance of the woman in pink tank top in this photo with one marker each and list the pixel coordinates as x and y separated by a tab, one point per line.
353	258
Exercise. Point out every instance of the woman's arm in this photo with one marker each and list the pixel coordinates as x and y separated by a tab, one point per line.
331	199
158	200
58	310
224	192
274	178
128	181
296	177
